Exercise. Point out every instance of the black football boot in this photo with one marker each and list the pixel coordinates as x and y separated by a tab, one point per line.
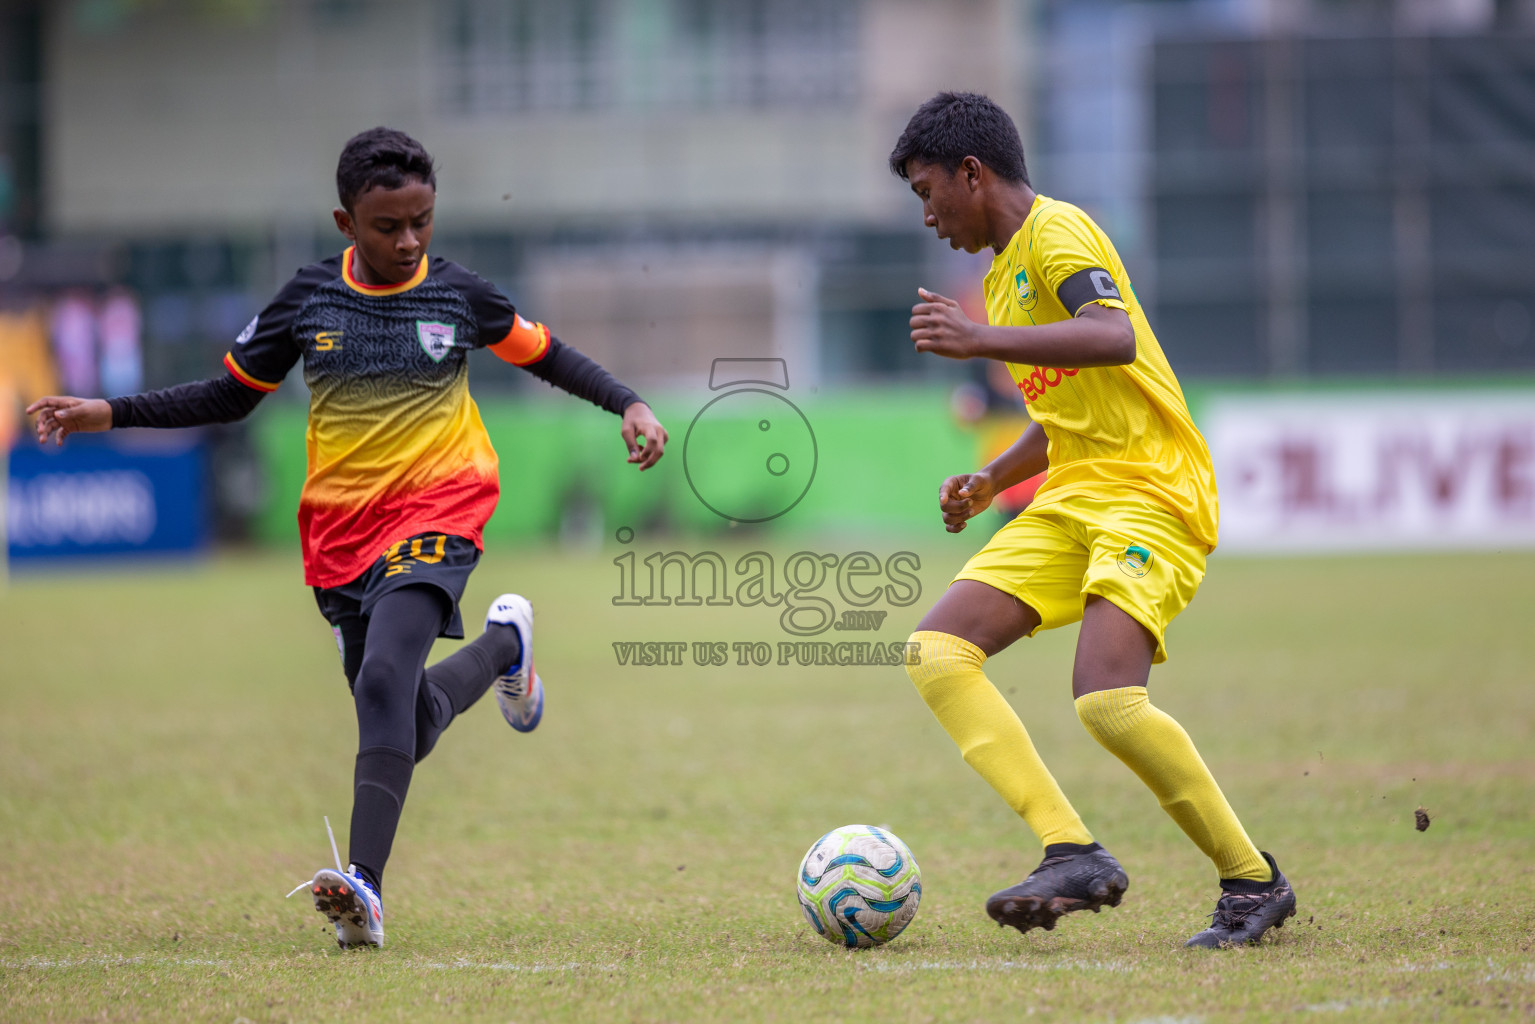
1246	910
1070	878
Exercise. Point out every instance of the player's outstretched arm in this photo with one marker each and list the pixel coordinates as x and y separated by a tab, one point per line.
220	400
1097	336
533	347
58	416
564	367
963	497
641	424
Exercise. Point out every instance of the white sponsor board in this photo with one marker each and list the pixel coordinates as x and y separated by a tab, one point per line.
1364	470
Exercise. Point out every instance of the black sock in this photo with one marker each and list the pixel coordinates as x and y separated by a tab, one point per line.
451	686
465	675
434	710
1070	849
379	786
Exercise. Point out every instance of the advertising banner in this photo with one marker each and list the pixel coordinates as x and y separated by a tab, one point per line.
108	495
1337	471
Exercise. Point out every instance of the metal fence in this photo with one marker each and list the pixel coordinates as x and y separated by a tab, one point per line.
1344	205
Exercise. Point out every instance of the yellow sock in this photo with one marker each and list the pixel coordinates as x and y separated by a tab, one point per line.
990	737
1158	750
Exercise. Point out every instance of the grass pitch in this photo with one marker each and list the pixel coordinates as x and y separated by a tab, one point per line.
170	737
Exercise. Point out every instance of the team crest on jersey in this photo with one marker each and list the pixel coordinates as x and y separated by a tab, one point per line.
436	339
1023	289
1135	561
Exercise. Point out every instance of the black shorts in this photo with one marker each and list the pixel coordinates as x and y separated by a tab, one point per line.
439	560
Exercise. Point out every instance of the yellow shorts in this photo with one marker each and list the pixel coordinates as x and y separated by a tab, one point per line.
1136	555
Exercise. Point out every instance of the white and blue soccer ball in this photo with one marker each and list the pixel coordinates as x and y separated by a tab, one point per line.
859	886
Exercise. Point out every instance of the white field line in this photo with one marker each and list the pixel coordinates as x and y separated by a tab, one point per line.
1511	974
1438	965
1343	1005
534	968
47	963
1518	972
39	963
43	963
1095	966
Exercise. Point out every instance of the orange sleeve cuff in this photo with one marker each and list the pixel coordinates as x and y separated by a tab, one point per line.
525	343
245	378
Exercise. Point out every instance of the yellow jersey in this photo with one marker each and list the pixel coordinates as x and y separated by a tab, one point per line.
1114	431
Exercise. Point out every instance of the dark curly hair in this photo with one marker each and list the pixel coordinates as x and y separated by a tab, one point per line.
954	125
381	158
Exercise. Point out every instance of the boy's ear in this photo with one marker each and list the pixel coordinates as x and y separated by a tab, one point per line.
344	224
972	171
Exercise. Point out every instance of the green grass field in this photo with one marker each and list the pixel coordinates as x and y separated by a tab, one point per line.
170	738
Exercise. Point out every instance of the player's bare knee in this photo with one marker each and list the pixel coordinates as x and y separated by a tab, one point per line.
985	616
1114	649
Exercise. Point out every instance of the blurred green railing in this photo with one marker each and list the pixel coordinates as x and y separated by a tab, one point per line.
880	456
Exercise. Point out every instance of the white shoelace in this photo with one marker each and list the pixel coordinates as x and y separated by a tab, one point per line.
333	852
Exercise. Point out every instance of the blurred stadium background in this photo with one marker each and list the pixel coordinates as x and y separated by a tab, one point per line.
1328	207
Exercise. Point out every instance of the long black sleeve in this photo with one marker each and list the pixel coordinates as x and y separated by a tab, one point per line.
566	368
220	400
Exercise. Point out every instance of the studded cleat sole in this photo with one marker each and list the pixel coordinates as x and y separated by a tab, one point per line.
338	900
1026	912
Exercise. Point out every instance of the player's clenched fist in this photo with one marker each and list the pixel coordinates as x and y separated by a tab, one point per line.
58	416
963	497
939	326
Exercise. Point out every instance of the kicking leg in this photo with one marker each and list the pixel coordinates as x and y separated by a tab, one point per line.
452	686
971	622
968	624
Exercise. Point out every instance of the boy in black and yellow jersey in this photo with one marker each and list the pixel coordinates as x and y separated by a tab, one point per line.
1116	536
401	480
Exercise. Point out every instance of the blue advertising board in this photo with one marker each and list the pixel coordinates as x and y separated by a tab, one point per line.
110	494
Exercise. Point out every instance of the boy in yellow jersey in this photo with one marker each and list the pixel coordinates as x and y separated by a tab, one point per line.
1116	536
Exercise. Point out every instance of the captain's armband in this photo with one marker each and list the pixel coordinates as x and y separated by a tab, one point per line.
1094	284
525	343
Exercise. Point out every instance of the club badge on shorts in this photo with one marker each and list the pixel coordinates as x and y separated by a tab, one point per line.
1134	561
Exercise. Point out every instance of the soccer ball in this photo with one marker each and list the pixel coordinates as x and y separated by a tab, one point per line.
859	886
